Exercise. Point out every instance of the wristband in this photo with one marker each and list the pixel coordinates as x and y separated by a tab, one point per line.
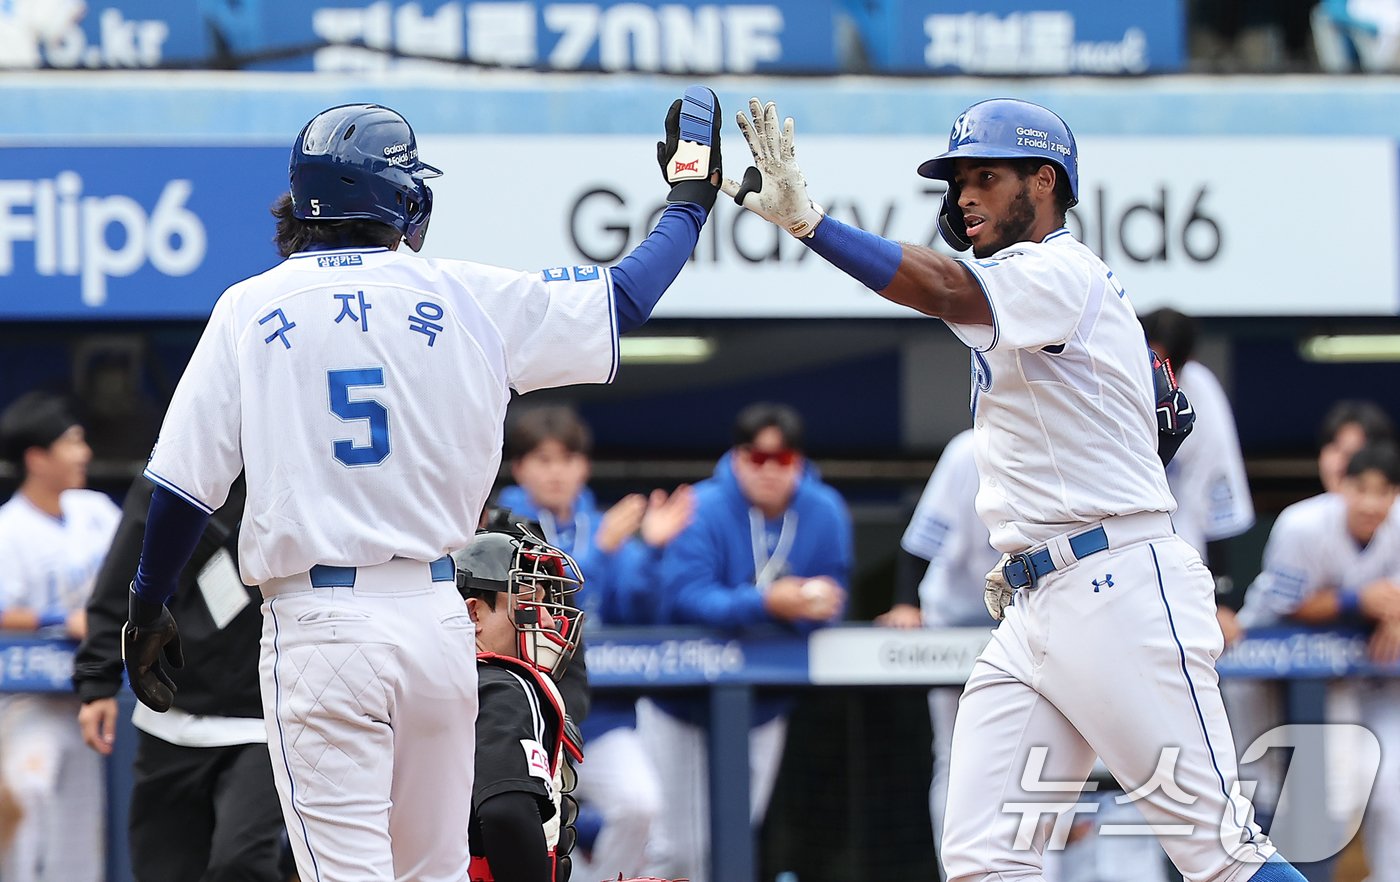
52	618
869	259
1348	601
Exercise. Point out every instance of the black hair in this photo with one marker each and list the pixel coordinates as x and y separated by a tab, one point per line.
1175	331
295	234
1027	166
533	427
766	414
35	419
1376	456
1375	423
487	597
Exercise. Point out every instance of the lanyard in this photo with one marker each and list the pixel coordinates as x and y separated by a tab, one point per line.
551	531
766	567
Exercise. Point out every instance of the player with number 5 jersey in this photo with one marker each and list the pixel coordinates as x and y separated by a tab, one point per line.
362	389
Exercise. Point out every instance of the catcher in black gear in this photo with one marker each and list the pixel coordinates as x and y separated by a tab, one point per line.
516	588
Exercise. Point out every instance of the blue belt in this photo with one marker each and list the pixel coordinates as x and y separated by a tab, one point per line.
1027	568
326	576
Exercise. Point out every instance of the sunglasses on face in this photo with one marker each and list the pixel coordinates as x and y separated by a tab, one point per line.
785	457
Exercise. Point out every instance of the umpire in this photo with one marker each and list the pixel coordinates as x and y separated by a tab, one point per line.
203	803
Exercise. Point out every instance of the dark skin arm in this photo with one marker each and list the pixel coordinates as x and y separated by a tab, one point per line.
937	285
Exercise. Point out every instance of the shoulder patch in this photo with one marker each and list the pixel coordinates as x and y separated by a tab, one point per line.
555	274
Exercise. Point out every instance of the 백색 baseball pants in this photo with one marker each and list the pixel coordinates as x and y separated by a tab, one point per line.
369	693
617	776
1115	655
57	782
943	710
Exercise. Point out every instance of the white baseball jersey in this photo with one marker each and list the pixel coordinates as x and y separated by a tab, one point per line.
51	563
364	390
1310	550
1064	413
945	532
1207	475
50	566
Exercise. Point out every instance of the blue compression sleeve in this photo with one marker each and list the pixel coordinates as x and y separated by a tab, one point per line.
869	259
173	529
641	277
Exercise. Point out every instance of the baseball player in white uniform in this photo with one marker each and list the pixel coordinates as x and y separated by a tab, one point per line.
1110	645
53	537
945	532
959	552
1335	559
362	390
1207	476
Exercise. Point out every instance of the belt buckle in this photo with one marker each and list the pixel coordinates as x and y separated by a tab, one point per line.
1018	571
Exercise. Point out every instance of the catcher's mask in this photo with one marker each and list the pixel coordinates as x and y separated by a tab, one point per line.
537	579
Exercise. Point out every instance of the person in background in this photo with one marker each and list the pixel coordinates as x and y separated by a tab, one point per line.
943	558
619	553
1256	706
1207	476
770	544
1349	425
1334	559
54	534
203	803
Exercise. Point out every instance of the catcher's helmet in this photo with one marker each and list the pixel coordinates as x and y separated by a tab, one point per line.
360	162
517	563
1001	128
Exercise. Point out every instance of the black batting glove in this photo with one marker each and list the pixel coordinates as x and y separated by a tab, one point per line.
690	155
148	634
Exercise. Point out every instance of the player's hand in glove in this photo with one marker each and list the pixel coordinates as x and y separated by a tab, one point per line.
148	634
998	593
1175	416
773	187
689	157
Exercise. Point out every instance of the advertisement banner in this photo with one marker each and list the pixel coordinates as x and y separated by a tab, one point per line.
1201	224
674	36
129	232
1031	37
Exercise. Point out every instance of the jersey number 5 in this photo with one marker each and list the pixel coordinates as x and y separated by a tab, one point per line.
347	452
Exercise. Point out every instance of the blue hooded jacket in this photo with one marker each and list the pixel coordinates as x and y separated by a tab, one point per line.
618	588
709	572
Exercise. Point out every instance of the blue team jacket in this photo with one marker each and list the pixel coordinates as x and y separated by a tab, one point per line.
618	589
708	571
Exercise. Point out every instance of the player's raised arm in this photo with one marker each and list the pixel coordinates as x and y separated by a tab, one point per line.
690	163
910	275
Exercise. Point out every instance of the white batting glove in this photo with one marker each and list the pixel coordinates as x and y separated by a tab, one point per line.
773	187
997	595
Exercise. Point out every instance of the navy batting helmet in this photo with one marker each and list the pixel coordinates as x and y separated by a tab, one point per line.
1001	128
360	162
